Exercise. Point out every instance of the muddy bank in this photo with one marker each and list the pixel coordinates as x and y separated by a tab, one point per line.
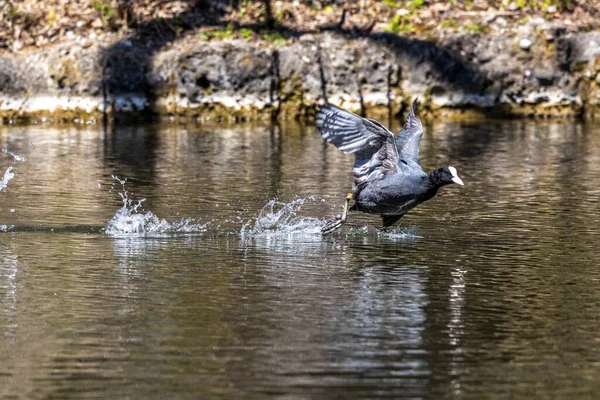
539	69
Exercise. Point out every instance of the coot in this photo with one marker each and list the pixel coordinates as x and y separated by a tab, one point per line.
388	178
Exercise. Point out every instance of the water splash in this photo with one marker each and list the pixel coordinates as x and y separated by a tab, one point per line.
8	175
278	218
129	220
400	233
14	156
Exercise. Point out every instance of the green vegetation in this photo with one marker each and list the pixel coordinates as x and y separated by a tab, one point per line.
246	33
544	4
34	17
410	4
222	33
401	21
399	24
111	17
476	28
276	37
449	23
415	4
51	17
105	9
13	12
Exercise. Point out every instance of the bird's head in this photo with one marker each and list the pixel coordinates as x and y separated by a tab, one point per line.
445	176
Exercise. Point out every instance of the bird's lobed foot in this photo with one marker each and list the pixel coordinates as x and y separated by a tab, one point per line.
332	224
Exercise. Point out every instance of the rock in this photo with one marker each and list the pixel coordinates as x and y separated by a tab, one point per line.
97	23
501	21
525	44
545	77
537	21
242	78
489	19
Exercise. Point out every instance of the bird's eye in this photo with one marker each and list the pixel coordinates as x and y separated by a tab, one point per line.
403	162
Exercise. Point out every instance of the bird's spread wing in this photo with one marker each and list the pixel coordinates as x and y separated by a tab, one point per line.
372	144
409	138
349	132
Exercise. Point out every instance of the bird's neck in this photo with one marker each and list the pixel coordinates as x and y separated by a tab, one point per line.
434	182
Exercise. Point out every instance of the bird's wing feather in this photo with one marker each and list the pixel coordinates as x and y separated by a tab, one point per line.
409	137
371	143
349	132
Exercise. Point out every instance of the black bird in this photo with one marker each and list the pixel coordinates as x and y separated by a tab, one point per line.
388	178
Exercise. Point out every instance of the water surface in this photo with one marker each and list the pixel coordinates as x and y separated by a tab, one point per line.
490	290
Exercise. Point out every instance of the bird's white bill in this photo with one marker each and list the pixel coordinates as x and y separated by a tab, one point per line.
456	179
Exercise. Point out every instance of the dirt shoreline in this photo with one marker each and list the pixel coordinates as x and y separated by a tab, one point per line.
539	67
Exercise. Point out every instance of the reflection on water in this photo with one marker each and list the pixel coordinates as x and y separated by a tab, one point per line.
486	289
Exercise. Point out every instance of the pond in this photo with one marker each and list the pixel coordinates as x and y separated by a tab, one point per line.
219	285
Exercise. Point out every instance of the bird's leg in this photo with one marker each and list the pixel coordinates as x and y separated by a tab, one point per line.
335	223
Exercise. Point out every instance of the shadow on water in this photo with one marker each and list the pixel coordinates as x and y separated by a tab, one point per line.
131	150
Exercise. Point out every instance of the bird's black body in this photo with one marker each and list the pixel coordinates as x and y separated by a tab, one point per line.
388	178
394	195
